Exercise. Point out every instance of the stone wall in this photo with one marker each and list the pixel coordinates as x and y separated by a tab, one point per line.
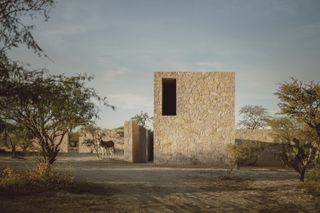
127	141
109	134
64	146
205	120
135	143
82	147
263	135
270	155
149	144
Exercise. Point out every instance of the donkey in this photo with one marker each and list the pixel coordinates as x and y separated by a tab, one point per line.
107	147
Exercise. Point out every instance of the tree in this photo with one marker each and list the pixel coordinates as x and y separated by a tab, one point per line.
142	119
15	79
74	138
95	135
6	131
13	15
301	102
56	105
299	143
253	117
13	33
14	135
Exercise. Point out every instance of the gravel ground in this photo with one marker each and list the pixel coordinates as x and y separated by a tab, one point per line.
124	187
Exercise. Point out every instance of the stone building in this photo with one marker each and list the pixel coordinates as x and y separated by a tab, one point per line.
194	117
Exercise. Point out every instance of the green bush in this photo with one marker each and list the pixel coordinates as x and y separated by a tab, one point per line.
40	178
245	153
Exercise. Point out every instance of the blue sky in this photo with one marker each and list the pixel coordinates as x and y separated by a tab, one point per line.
122	42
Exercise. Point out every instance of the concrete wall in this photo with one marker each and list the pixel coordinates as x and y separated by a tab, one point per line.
205	119
135	143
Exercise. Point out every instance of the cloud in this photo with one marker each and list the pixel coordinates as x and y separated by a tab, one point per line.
131	101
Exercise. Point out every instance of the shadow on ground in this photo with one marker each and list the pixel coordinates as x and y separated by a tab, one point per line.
115	186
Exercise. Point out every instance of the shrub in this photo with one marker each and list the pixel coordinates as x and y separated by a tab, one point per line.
244	153
43	175
314	174
312	182
40	178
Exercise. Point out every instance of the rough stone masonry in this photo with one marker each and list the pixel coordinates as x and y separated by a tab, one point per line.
194	117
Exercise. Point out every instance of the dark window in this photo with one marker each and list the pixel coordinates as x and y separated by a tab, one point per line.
169	97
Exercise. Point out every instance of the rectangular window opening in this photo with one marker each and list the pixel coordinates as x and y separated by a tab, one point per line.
169	96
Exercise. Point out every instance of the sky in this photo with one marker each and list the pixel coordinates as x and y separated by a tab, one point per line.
123	42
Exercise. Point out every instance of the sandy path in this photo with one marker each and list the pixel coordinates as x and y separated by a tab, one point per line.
125	187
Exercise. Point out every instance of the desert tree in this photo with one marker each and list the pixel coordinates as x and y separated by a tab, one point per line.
93	137
15	79
143	119
15	30
6	130
15	27
56	105
301	101
299	143
13	136
74	138
253	117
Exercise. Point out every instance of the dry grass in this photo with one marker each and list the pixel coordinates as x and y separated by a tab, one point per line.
38	179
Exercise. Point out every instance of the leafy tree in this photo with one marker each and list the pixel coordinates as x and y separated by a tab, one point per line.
302	102
56	105
299	143
143	118
253	117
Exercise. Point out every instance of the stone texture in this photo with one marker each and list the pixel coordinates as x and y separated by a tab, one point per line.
64	146
127	141
109	134
135	148
270	154
82	147
149	144
262	135
205	120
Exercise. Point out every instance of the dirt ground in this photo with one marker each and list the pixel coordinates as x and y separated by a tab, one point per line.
118	186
